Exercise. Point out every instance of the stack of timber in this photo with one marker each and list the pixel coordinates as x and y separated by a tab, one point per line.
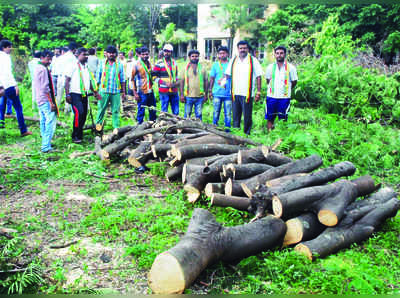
319	211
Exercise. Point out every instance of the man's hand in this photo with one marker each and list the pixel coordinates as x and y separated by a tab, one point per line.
210	96
16	90
97	95
258	96
53	107
205	98
137	97
68	99
123	96
1	92
182	99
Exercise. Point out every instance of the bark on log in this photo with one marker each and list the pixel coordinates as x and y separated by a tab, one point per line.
206	242
199	150
302	228
206	139
304	165
239	203
234	188
342	236
213	171
264	155
126	152
331	199
213	188
244	171
195	181
174	173
160	150
140	155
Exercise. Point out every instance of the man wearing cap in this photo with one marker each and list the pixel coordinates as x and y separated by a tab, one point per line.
111	81
281	79
167	72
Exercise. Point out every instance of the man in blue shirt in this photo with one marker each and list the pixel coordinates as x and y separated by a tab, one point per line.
220	87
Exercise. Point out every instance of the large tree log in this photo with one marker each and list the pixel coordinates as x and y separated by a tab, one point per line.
206	139
239	203
199	150
331	199
304	165
160	149
302	228
349	231
174	173
195	181
244	171
213	171
206	242
262	154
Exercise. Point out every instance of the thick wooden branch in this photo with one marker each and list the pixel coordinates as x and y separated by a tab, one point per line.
239	203
206	242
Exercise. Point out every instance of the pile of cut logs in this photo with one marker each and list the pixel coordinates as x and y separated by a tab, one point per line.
292	203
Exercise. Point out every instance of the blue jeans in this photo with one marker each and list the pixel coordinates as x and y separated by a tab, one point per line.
11	98
149	101
217	103
198	106
166	98
47	125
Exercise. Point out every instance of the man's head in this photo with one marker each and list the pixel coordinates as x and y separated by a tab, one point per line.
37	54
280	53
130	54
46	57
6	46
144	53
92	51
243	48
167	50
223	53
72	47
111	53
82	55
57	51
64	50
137	51
121	55
194	56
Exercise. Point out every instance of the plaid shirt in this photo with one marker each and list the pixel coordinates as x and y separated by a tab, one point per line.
112	84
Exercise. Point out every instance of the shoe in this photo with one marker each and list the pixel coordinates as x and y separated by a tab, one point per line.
77	141
28	133
48	151
8	116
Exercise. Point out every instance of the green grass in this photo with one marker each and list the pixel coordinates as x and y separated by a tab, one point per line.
148	224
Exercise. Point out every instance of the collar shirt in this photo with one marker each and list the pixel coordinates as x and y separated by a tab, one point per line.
55	66
32	65
241	74
129	67
73	72
41	84
193	88
6	75
115	75
279	89
67	59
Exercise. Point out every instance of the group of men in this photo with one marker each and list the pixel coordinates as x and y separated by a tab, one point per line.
233	83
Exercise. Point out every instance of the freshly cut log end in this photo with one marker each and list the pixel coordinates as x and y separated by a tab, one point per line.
192	193
184	173
104	155
294	232
328	218
304	250
166	275
214	188
99	127
228	187
246	190
134	162
277	207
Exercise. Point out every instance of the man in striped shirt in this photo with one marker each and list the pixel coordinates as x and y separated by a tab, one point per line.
167	72
111	80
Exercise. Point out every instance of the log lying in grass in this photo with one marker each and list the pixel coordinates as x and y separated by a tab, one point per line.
174	173
302	228
213	170
328	201
234	188
199	150
239	203
304	165
244	171
206	139
206	242
194	181
160	150
351	230
140	155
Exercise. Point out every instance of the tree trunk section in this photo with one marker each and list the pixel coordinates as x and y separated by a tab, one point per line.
195	181
140	155
239	203
212	188
174	173
199	150
244	171
206	242
302	228
234	188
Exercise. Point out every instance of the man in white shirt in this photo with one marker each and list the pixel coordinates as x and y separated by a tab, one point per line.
78	83
11	91
281	78
54	69
245	72
66	60
129	67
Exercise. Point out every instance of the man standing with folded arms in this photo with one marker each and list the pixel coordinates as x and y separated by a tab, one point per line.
46	100
11	91
245	72
111	81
